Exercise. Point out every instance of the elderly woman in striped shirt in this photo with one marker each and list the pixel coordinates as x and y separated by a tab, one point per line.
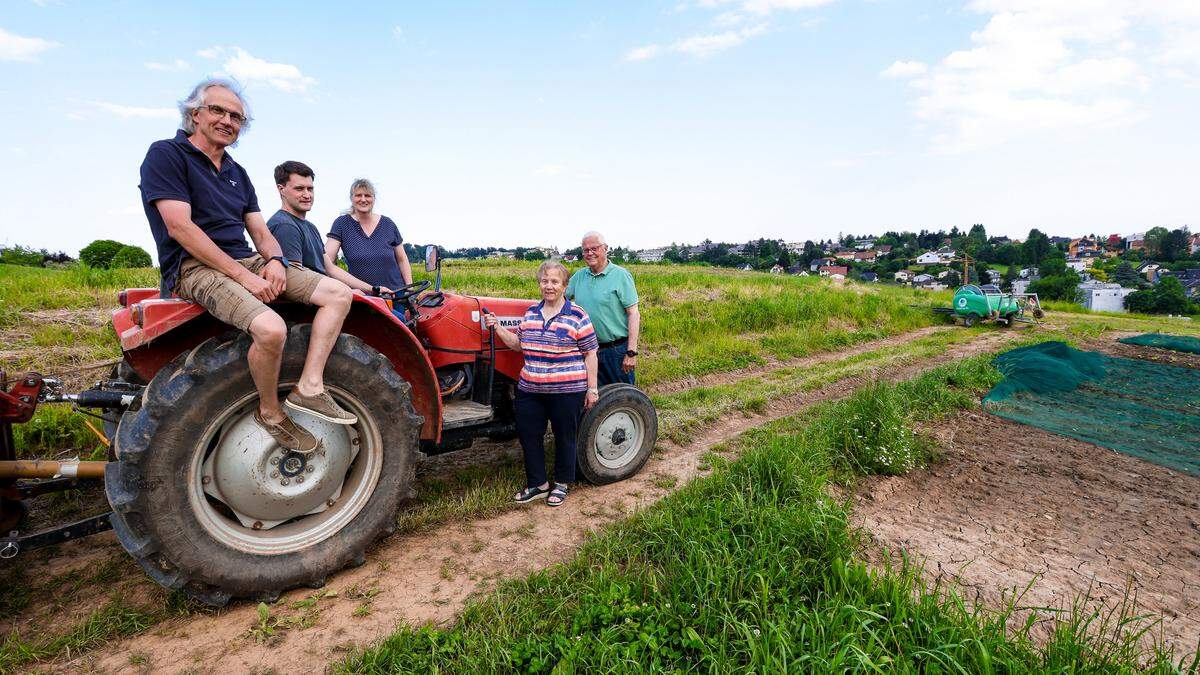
557	382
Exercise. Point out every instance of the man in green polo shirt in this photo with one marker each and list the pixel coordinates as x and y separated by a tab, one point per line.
606	292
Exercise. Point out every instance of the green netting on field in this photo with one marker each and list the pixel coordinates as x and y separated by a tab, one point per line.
1177	343
1141	408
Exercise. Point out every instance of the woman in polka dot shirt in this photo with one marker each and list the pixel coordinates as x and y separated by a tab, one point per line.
371	242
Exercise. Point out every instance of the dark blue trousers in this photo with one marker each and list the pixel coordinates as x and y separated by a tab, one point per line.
608	362
562	412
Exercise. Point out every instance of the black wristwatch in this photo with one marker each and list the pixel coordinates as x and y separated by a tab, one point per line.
282	260
630	352
374	290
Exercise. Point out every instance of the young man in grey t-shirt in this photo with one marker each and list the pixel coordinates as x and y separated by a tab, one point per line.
300	240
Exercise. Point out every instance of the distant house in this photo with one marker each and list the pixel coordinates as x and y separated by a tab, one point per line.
903	276
1189	278
818	263
1136	242
944	273
776	268
1078	247
1149	270
1078	265
1103	297
834	270
510	255
1194	244
929	258
922	279
737	249
1115	243
795	247
1020	286
869	277
864	244
994	276
1059	240
652	254
844	255
1028	273
747	267
883	249
999	241
867	256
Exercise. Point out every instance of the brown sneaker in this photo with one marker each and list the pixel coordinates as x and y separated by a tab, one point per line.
321	405
290	435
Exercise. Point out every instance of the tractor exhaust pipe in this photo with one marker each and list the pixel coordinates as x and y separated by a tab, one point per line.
50	469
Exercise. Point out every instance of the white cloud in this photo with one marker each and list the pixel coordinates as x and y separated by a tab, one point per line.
398	32
176	66
136	112
642	53
905	69
15	47
1060	66
699	46
550	170
734	13
248	69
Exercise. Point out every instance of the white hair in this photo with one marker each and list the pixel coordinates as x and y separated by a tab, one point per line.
593	233
195	101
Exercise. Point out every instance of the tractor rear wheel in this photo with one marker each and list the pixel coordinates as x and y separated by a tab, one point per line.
207	502
617	435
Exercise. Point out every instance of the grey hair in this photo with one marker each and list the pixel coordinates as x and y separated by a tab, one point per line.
195	101
548	265
593	233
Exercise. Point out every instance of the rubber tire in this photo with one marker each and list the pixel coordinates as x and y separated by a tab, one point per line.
970	320
147	487
612	396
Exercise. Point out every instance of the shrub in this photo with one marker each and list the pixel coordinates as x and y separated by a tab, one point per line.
19	255
100	253
1057	287
130	257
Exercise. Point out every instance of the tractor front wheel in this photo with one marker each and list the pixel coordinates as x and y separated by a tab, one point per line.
617	435
207	502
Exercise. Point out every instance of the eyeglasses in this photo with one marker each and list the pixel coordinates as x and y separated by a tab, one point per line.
594	249
235	117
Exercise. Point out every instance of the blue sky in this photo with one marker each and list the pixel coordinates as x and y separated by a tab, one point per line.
529	123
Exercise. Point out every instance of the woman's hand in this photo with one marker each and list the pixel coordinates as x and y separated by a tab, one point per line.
592	398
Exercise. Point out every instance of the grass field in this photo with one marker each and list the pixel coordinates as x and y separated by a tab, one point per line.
762	573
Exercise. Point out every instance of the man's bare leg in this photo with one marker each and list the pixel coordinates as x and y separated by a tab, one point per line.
332	299
269	333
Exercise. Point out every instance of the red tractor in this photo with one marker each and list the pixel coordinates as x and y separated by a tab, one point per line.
208	503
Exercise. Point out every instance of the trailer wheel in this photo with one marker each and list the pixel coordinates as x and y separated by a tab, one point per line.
208	503
617	435
970	320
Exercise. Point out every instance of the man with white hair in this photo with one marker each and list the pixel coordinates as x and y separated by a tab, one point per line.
200	204
606	291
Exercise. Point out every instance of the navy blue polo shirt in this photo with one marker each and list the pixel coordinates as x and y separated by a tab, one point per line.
175	169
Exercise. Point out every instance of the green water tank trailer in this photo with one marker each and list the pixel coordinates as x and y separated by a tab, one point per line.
972	303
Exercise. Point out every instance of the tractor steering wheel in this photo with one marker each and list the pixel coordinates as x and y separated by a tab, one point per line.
408	291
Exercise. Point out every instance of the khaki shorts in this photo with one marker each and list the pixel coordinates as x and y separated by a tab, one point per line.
228	300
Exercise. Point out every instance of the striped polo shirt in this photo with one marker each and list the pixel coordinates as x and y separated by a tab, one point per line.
554	350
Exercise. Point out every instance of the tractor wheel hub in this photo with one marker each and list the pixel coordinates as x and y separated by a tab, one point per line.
265	484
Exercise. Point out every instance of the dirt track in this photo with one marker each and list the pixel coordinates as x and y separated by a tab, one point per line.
428	576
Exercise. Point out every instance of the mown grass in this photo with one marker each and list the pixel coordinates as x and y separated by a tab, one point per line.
754	569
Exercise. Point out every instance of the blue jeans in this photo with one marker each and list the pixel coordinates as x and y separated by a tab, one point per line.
562	411
608	362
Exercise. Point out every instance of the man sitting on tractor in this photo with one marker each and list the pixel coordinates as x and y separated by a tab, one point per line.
200	203
298	238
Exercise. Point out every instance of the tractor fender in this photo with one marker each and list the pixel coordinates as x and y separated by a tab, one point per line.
152	333
371	321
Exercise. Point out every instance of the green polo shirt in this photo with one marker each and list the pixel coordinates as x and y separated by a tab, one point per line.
605	297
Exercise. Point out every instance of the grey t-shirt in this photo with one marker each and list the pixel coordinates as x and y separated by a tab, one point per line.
299	240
